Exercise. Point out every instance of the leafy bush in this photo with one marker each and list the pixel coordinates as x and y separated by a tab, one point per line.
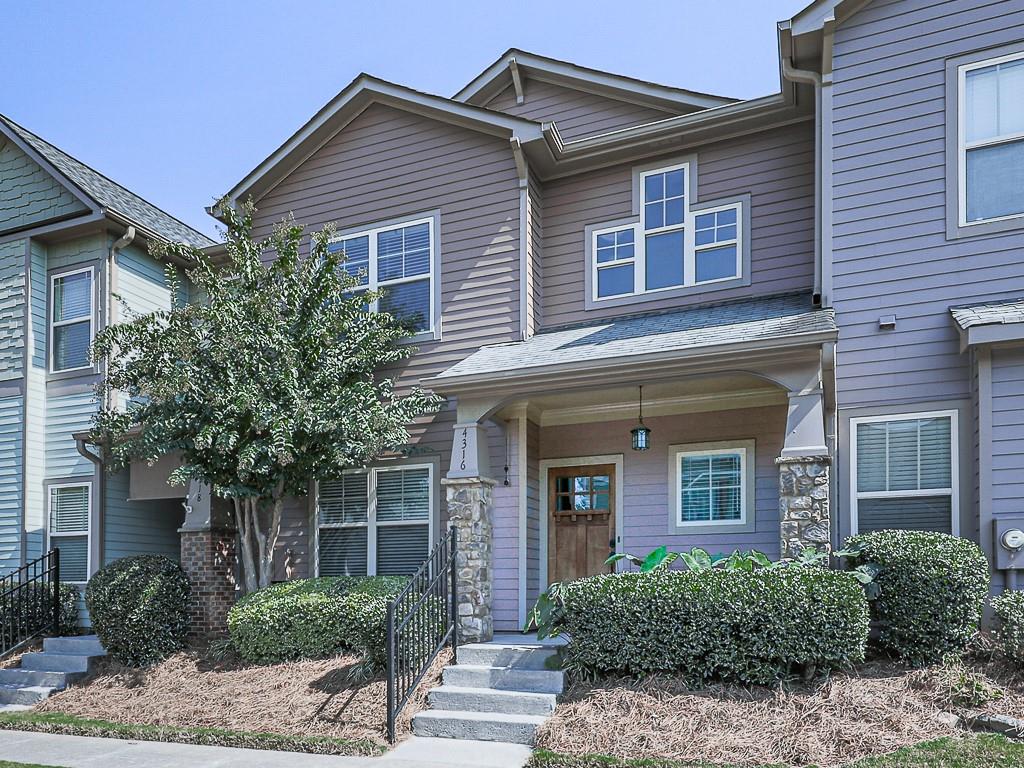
744	626
139	608
35	609
931	588
314	618
1009	609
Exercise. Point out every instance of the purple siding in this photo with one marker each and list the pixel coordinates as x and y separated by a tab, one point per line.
506	526
1007	431
576	113
775	167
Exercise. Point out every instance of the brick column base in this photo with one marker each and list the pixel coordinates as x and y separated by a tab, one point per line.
804	503
469	512
208	557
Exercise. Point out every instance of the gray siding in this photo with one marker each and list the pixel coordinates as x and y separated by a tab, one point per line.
891	255
775	167
12	309
12	414
576	113
1007	431
138	527
35	407
28	194
534	256
506	528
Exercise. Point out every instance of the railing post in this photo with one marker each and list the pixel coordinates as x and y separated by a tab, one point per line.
56	592
392	671
453	567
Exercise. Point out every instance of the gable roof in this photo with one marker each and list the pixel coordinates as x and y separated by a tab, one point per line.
363	91
498	76
104	194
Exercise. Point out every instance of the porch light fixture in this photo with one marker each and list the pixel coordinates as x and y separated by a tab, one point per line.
641	434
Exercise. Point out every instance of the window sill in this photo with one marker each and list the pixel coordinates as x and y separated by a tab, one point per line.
1008	224
675	529
668	293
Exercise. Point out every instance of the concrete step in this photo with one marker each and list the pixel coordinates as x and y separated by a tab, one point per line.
504	678
453	698
520	656
81	645
14	707
29	695
55	662
26	677
481	726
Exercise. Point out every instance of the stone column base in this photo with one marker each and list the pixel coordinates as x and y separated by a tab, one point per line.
208	558
470	508
804	503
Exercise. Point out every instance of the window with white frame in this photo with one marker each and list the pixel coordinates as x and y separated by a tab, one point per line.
376	521
712	485
71	320
399	260
991	131
673	245
905	472
70	510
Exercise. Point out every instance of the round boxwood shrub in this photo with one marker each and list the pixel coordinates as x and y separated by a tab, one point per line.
1009	609
932	587
314	618
752	627
139	608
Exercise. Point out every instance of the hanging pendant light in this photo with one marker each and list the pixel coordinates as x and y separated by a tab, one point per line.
641	434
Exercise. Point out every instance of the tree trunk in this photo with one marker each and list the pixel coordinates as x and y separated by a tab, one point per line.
258	543
245	534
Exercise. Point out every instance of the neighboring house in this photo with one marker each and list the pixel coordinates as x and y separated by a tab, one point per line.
70	239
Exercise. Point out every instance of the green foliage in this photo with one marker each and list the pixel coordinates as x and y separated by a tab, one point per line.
314	618
268	379
1009	609
931	588
747	626
139	608
698	559
34	608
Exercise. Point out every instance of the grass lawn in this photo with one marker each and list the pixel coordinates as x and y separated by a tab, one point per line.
7	764
986	751
56	722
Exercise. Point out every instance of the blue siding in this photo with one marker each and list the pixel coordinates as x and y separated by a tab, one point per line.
64	416
12	309
28	194
11	498
141	282
139	527
1007	431
35	407
80	251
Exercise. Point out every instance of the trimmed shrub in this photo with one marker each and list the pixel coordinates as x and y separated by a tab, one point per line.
932	587
1009	609
750	627
139	608
35	609
314	618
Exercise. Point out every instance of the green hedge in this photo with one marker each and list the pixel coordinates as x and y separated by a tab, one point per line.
314	618
139	608
744	626
1009	609
35	609
932	589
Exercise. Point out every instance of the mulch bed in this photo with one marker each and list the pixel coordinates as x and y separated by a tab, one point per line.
193	690
878	708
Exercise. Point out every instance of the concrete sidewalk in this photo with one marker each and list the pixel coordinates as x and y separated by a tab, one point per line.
91	752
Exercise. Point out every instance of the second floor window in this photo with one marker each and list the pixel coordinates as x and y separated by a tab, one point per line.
991	152
399	260
675	244
71	320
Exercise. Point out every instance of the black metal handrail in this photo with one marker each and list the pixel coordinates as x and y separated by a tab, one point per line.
30	602
421	621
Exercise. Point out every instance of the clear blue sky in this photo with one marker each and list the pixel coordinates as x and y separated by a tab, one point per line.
178	99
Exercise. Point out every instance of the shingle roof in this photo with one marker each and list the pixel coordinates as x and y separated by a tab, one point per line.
990	313
109	194
750	320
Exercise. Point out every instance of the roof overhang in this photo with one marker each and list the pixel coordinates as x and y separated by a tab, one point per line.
516	63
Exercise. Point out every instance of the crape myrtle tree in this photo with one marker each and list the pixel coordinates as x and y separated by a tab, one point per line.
270	377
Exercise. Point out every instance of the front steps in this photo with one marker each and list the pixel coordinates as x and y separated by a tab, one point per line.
62	660
497	691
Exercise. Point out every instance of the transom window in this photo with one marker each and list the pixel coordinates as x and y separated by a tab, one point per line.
671	245
375	522
398	260
71	320
70	508
711	485
904	473
991	151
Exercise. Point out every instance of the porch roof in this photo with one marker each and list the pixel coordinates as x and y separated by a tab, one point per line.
765	323
992	312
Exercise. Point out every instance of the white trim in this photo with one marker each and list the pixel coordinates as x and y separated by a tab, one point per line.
963	146
676	454
50	488
432	276
615	459
954	470
51	323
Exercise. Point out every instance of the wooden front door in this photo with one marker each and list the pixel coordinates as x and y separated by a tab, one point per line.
581	520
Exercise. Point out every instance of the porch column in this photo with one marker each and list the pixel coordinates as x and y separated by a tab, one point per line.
208	558
804	514
470	512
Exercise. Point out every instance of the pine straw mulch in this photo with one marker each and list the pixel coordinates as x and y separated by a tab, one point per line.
877	708
191	689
